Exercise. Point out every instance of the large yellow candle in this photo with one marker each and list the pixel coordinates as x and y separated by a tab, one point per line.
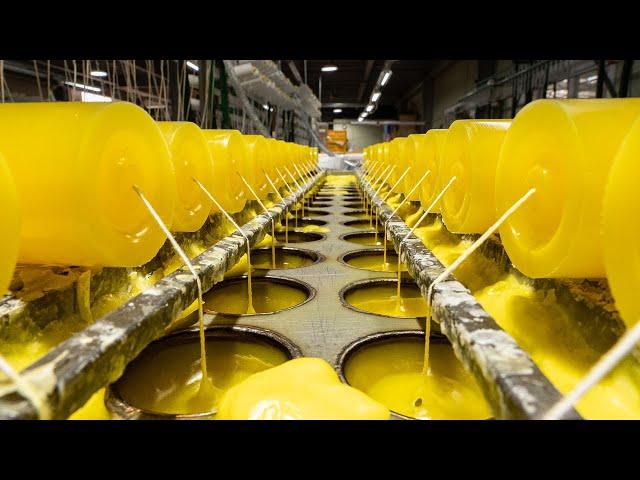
564	149
397	157
259	157
621	227
431	155
75	165
9	240
229	158
416	156
300	389
471	152
191	159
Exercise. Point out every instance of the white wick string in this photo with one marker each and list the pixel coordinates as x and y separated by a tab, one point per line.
27	390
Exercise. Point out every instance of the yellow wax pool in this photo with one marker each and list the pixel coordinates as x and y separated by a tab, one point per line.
261	260
300	389
268	296
415	152
368	239
432	146
470	153
563	148
74	165
359	215
374	262
391	373
621	228
542	327
383	300
191	159
10	220
166	378
228	153
315	228
364	225
94	409
259	156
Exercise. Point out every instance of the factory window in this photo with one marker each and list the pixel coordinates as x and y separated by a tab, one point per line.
587	85
558	89
94	97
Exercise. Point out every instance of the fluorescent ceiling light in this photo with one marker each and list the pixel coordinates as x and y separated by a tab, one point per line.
329	68
337	110
369	108
266	107
375	96
83	87
94	97
360	119
386	77
98	73
193	66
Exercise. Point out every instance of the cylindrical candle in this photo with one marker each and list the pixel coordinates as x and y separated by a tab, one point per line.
621	227
416	155
259	157
75	165
9	240
431	155
228	154
564	149
397	152
471	152
191	159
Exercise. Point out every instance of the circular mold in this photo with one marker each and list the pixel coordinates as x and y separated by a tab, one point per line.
371	259
376	296
271	294
317	205
363	224
369	239
371	349
300	237
116	393
355	205
314	213
358	214
287	258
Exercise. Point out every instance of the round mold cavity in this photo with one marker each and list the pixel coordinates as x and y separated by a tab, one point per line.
355	205
305	222
376	296
368	239
287	258
308	213
300	237
116	398
358	214
317	205
363	224
371	259
367	347
271	294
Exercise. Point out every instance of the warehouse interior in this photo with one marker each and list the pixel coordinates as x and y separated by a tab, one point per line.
319	239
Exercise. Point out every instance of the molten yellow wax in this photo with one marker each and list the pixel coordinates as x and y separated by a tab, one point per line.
191	159
300	389
315	228
228	153
360	215
565	149
542	327
166	378
268	297
94	409
621	228
432	146
383	300
470	153
374	262
10	220
74	165
391	373
369	239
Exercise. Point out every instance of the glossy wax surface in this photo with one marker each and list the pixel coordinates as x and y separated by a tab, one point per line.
10	219
564	149
375	262
191	159
391	373
74	165
268	296
431	156
300	389
383	300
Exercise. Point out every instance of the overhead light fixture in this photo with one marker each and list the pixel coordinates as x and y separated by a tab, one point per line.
369	108
386	77
265	106
329	68
375	96
360	119
98	73
83	87
337	110
193	66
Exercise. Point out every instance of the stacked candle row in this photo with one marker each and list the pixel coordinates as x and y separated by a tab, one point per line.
579	157
68	172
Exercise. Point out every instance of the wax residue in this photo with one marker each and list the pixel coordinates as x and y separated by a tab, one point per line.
383	300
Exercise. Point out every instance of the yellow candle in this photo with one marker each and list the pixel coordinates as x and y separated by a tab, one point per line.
259	159
471	152
564	149
9	240
191	159
397	157
431	155
229	158
74	165
300	389
391	373
414	155
621	228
